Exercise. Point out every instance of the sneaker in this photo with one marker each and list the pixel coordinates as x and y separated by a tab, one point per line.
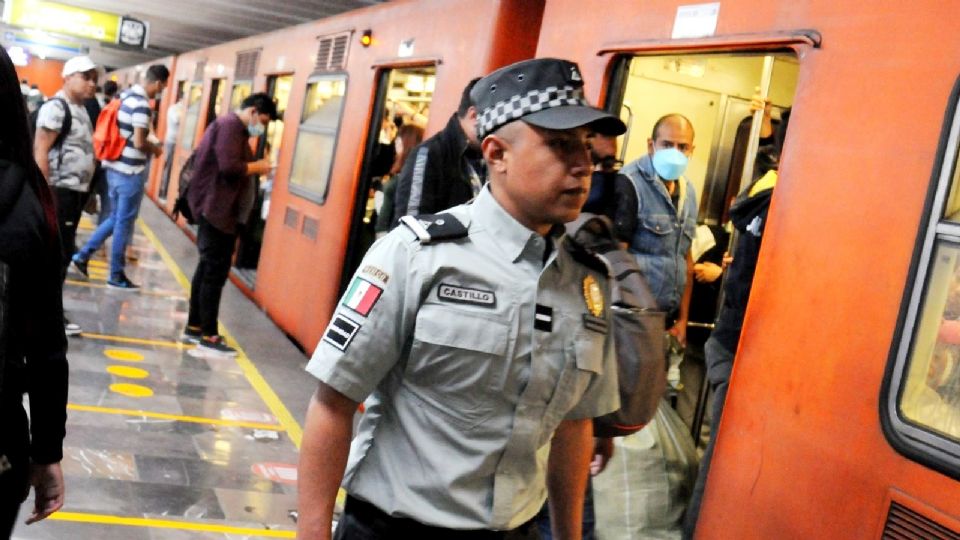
123	283
212	347
191	335
81	267
71	329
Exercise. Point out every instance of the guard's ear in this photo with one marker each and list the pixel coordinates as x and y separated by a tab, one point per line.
494	150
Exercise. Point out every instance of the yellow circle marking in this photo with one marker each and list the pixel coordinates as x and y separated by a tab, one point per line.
123	354
131	390
128	372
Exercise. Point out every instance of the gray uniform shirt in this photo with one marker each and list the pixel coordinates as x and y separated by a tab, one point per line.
469	353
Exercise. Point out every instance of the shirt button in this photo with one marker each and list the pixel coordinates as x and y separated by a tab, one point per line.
439	222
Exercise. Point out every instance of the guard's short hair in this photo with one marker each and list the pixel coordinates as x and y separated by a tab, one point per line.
262	102
158	73
465	101
110	88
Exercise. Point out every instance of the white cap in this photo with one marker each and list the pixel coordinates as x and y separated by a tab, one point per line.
78	64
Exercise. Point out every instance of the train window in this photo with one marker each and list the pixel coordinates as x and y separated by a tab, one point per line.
714	91
922	388
316	139
239	92
189	130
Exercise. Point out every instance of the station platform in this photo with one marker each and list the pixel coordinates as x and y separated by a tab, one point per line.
162	445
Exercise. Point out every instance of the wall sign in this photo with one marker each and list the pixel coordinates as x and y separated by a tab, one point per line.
696	20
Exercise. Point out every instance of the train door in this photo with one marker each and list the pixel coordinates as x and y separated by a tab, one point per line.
714	91
239	92
403	96
215	102
188	131
248	251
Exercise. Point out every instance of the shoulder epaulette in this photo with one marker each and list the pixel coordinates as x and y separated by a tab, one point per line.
432	228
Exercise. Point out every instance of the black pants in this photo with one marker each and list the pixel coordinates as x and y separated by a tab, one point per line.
364	521
216	250
70	205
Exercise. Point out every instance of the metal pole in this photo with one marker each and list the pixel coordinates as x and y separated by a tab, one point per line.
754	142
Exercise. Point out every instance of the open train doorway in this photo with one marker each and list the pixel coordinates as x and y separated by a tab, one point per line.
268	146
403	97
722	96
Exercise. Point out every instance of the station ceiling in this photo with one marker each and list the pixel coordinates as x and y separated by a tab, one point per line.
183	25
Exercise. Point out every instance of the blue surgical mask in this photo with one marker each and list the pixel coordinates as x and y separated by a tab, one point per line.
669	163
255	129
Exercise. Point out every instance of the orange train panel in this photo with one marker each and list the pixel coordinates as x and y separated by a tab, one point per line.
801	453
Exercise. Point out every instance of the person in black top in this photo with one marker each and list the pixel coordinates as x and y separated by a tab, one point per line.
611	193
33	346
444	171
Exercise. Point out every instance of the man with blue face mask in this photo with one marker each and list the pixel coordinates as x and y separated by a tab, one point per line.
667	216
221	197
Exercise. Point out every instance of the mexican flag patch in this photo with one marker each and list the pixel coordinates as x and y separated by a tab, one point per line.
362	296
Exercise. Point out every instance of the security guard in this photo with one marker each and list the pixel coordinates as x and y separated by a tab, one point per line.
479	340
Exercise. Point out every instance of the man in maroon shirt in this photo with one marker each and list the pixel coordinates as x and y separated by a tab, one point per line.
221	197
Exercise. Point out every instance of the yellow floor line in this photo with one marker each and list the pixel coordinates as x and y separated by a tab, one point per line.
176	417
138	341
102	284
78	517
259	384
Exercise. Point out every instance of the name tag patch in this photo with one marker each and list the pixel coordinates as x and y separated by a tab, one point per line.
466	295
340	332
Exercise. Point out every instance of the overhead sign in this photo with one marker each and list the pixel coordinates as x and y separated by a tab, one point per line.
133	32
696	20
42	44
74	21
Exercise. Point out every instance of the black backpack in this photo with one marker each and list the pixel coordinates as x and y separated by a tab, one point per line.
64	127
181	207
638	328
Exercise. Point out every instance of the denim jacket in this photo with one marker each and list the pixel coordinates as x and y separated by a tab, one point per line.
664	234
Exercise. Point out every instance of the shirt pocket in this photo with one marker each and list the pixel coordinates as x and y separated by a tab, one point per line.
584	363
653	232
453	358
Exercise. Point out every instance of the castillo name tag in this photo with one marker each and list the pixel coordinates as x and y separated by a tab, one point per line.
466	295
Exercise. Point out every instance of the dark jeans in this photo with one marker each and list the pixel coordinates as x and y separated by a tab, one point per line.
70	205
168	149
216	250
717	355
588	522
364	521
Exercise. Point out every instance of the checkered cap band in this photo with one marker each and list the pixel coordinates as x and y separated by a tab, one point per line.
531	102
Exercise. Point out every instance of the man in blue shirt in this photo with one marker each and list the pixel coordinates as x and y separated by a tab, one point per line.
125	177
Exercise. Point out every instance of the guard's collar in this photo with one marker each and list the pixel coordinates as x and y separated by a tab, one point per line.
511	236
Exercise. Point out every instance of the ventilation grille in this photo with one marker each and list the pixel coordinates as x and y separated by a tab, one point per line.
332	53
310	227
198	71
291	218
246	68
906	524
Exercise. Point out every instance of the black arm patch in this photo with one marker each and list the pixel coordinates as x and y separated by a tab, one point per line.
432	228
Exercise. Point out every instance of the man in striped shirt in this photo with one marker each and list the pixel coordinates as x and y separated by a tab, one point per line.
125	177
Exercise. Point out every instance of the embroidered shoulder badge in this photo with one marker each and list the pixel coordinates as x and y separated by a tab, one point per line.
340	332
362	296
593	296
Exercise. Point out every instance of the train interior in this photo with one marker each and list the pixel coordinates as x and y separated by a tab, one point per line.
403	96
268	147
714	91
